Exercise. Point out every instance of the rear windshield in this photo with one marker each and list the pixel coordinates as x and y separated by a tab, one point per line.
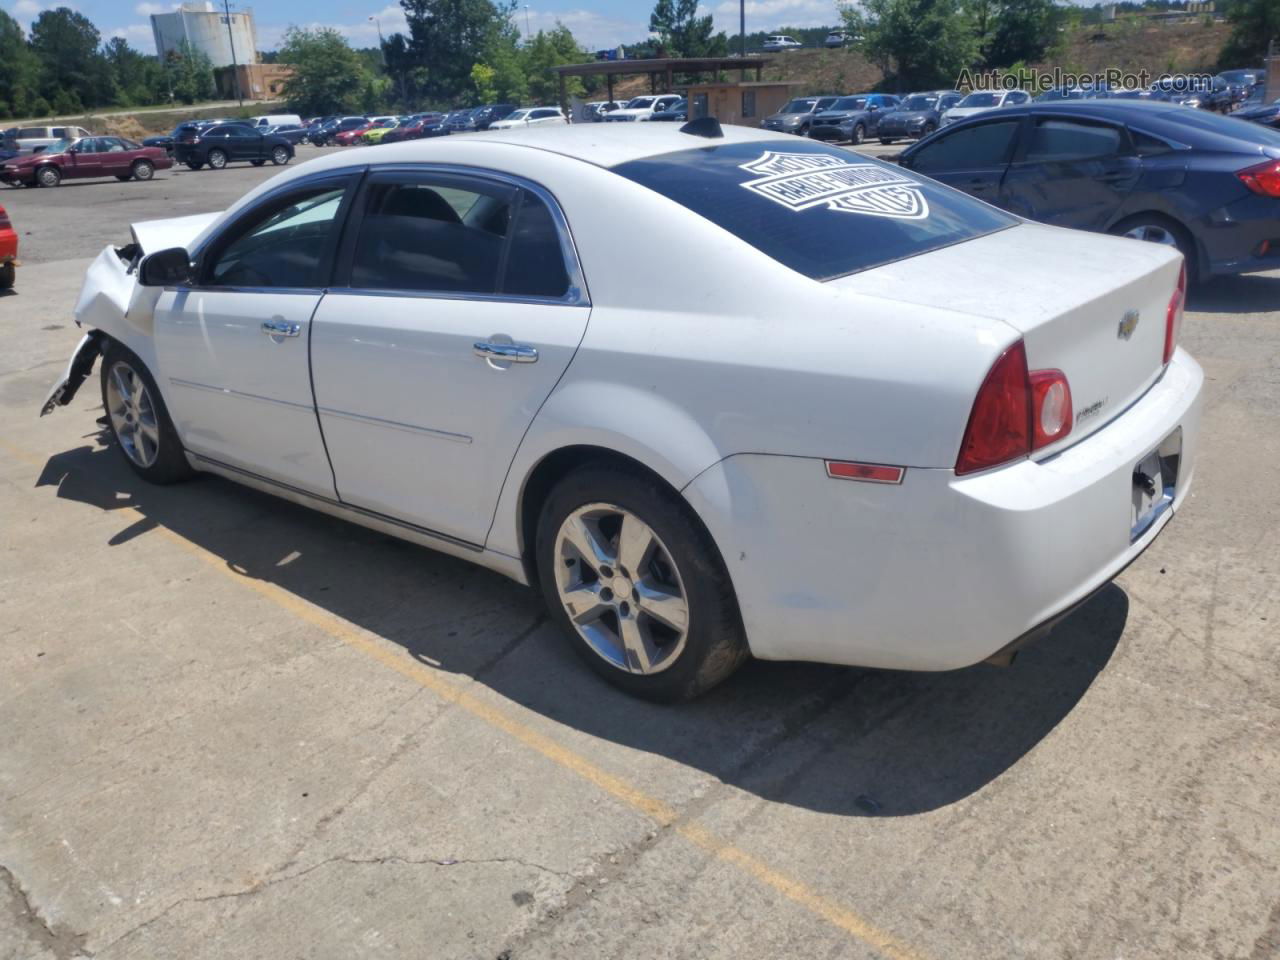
819	210
1223	126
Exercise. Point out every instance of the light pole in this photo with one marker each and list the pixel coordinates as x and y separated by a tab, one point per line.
526	23
231	39
742	27
382	47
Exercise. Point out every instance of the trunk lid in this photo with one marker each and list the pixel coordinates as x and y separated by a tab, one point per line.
1091	306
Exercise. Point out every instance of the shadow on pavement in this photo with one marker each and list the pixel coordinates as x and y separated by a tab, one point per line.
1248	293
837	740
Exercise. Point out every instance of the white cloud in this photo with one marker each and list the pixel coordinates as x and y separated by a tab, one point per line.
362	33
24	11
139	35
146	9
774	14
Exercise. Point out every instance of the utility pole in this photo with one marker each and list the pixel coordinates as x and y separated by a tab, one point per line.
526	23
231	39
382	47
742	27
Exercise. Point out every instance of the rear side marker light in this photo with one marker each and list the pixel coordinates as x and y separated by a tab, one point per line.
866	472
1263	179
1173	316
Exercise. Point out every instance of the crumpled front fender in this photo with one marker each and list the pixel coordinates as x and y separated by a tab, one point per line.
78	368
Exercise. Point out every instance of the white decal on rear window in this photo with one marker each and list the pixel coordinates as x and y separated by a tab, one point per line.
803	180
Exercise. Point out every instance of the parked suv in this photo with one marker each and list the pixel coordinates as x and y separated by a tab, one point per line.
918	115
230	142
642	108
852	119
780	43
796	116
35	139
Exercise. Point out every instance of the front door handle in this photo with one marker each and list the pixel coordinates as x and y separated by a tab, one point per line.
281	328
510	352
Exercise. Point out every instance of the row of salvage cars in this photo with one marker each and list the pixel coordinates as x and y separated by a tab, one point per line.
865	418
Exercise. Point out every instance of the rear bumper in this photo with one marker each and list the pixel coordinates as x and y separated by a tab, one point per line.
941	571
1232	235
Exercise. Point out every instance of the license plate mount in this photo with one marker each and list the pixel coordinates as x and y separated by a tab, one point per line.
1155	483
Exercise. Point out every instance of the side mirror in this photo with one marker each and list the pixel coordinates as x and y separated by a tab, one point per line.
873	107
166	268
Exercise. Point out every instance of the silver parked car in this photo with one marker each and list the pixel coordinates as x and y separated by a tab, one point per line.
35	139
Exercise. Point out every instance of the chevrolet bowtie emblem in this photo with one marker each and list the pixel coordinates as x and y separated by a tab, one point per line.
1128	324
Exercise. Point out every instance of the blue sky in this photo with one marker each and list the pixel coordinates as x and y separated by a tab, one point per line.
596	23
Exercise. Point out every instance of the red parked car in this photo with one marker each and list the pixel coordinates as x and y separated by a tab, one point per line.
8	251
86	157
347	137
413	129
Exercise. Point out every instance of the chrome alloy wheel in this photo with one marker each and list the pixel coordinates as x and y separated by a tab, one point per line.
133	414
621	589
1152	233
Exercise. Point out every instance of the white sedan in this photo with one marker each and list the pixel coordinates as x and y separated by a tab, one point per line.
801	405
530	117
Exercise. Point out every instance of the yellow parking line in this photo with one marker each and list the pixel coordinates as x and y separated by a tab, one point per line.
794	890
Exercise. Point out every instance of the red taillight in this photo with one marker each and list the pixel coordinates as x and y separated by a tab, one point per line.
5	223
1016	412
1173	316
999	427
1263	179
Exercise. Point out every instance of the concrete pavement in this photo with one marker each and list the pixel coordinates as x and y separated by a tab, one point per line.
230	728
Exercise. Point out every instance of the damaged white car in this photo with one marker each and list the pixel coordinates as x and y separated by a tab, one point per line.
805	405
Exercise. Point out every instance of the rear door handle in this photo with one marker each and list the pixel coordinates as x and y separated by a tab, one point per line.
510	352
280	328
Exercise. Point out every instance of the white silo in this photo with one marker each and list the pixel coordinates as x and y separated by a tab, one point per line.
205	27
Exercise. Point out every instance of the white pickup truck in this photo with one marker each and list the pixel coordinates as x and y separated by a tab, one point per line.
34	139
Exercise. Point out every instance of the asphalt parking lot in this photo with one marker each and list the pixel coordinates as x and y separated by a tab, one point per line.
235	728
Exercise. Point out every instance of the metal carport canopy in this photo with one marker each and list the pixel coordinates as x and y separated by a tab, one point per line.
665	67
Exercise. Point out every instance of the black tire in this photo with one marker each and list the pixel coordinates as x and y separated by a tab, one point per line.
217	159
280	156
858	134
1181	238
143	170
886	140
48	176
928	129
803	131
194	164
170	462
8	275
715	644
257	163
124	177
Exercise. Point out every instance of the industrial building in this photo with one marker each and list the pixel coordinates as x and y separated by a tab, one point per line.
205	28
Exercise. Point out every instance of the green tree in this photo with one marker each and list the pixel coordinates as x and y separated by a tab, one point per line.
681	32
507	61
447	38
1024	31
547	49
190	74
19	71
1255	25
920	43
328	76
65	44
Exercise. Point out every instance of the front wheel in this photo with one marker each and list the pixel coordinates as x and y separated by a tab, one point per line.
194	164
279	156
8	274
637	585
143	170
139	420
48	176
886	140
217	159
257	163
123	177
858	134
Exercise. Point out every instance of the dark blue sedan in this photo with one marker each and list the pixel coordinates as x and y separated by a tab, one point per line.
1205	183
852	119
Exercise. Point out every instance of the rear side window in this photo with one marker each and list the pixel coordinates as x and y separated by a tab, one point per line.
968	148
1064	140
32	133
431	237
535	262
819	210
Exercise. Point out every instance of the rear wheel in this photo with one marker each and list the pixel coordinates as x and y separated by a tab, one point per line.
8	274
48	176
194	164
139	420
143	170
1155	228
217	159
637	584
279	156
123	177
886	140
257	163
